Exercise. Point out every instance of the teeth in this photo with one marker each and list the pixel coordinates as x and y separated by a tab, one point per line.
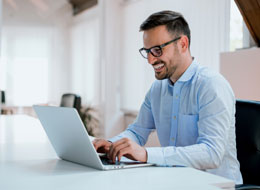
158	66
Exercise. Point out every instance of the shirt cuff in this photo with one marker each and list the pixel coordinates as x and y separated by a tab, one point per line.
127	134
114	139
155	156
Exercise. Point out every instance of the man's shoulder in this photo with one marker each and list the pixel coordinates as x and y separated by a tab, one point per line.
205	75
207	79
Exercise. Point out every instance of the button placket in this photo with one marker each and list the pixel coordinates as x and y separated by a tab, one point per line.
175	111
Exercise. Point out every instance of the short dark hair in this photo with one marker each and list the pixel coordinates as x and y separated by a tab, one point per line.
174	22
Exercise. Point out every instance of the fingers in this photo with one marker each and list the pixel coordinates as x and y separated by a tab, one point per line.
121	147
101	145
96	143
123	152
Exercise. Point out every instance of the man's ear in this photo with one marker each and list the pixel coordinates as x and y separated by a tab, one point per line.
184	44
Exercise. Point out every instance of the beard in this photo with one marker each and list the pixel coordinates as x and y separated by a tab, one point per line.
164	74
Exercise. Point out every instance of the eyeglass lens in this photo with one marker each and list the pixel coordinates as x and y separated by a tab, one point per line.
155	51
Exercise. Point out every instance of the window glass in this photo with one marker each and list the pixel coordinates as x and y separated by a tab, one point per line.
236	27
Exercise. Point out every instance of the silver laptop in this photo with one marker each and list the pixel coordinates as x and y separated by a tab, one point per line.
71	141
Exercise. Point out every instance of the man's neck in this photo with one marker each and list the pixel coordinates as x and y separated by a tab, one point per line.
185	64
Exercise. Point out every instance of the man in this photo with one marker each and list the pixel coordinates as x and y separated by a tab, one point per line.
191	107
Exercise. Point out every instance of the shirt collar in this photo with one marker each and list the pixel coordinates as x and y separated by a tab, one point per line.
170	83
188	74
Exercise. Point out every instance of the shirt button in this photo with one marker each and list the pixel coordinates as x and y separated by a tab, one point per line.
172	139
177	96
174	117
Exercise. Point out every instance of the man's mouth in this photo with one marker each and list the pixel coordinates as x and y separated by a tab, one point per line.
158	67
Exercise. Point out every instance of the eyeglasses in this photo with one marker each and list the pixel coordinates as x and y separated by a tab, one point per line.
156	51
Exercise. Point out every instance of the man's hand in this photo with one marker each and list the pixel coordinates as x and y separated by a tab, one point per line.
101	145
128	148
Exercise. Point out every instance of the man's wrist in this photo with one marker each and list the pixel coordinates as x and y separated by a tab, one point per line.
146	155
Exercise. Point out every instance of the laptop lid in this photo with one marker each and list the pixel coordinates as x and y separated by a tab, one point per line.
68	135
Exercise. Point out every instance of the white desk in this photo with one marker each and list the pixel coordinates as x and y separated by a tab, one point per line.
27	161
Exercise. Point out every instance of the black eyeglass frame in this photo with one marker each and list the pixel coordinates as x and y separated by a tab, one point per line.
159	48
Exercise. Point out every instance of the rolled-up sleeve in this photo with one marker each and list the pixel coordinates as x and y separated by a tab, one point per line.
142	126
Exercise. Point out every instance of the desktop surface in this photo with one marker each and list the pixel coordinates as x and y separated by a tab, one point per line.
28	161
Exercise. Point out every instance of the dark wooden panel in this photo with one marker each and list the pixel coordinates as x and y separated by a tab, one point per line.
258	1
250	10
81	5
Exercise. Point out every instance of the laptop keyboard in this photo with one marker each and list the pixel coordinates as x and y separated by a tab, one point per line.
106	161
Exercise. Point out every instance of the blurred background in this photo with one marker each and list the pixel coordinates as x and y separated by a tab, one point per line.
90	48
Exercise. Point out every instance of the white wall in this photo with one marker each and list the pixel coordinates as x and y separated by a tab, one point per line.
241	69
0	43
36	54
95	72
110	54
95	62
60	76
0	22
84	60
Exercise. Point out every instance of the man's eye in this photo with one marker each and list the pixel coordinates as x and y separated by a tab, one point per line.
156	51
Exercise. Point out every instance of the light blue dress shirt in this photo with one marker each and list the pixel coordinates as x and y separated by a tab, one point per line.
194	120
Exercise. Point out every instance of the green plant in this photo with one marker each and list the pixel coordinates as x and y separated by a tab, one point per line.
90	117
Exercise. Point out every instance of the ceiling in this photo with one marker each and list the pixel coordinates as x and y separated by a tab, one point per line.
34	12
45	6
48	7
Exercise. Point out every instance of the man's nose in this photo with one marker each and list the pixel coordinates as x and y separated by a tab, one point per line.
151	58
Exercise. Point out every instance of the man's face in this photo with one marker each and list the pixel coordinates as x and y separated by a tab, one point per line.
165	65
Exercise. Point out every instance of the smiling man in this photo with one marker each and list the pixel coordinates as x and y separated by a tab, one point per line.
191	108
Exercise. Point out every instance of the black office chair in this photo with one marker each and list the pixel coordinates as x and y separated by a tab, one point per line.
248	142
2	101
71	100
2	97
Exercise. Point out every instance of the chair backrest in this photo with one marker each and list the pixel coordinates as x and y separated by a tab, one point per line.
71	100
2	97
248	140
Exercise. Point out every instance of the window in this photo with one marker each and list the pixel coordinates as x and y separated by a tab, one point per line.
85	73
236	27
24	65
